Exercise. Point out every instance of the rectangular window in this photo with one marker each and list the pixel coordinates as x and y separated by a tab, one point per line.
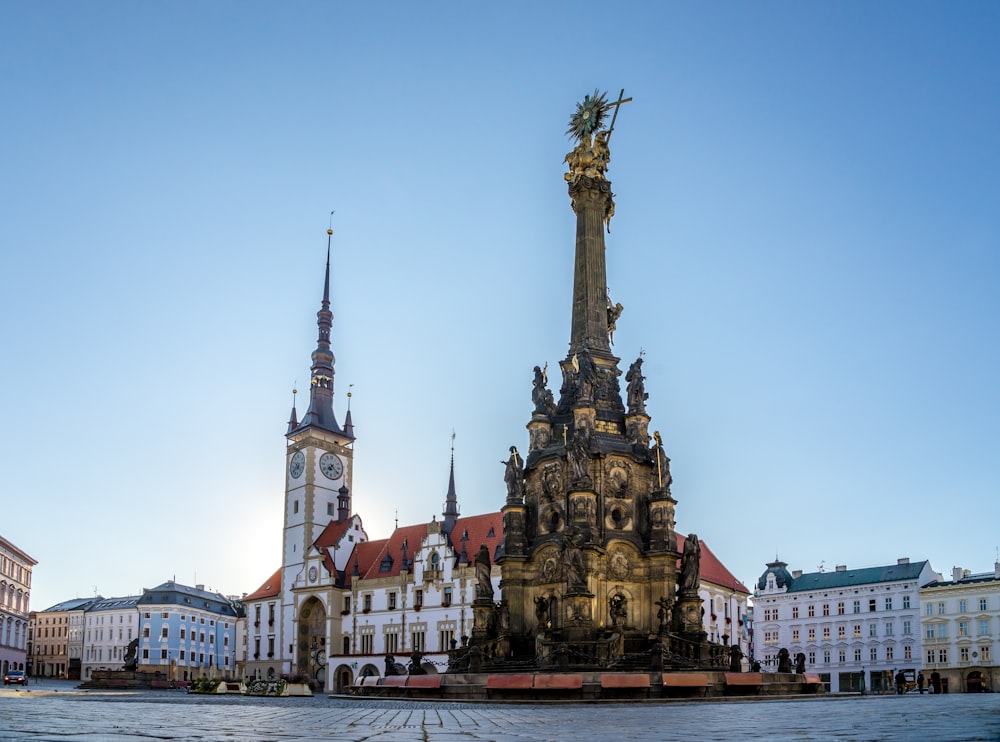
907	627
963	628
984	627
795	611
826	609
943	656
841	632
826	656
162	615
963	654
942	631
164	632
930	609
145	631
906	601
963	606
888	652
182	633
446	597
983	604
392	601
368	602
145	654
888	603
347	604
857	654
907	652
163	654
871	606
295	506
929	631
329	508
444	639
826	633
940	609
873	654
812	658
391	643
812	635
872	629
795	636
888	629
857	606
984	652
840	608
270	646
857	631
811	611
182	655
417	641
930	656
418	599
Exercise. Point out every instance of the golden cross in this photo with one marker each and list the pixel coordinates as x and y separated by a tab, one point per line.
617	104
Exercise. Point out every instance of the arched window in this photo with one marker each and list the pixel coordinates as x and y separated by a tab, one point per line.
435	561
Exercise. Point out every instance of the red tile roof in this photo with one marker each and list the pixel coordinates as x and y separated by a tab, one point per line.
712	570
269	589
478	528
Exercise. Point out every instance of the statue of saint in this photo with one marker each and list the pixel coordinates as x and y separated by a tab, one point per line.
541	396
575	571
614	312
513	476
618	609
484	583
542	611
636	389
690	564
579	455
662	461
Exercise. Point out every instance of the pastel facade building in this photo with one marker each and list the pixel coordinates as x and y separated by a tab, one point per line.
960	622
56	649
15	593
856	627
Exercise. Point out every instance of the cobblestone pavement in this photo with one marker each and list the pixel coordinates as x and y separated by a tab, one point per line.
58	712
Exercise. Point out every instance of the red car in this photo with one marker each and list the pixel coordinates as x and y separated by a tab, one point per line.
15	677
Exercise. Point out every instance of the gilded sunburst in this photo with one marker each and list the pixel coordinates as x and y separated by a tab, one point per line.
589	115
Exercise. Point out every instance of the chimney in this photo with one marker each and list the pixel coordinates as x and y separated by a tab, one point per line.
903	560
841	568
957	573
796	574
199	587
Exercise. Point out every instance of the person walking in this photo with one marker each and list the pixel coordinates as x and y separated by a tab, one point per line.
920	682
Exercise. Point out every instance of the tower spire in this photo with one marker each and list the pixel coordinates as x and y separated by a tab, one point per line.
451	499
320	413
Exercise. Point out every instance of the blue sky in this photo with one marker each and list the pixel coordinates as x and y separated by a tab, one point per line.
806	245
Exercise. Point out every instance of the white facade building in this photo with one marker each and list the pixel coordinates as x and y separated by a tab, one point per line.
960	622
109	625
856	627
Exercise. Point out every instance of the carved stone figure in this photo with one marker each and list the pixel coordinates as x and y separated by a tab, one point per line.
614	312
579	455
484	585
666	611
690	564
586	376
618	565
636	389
573	567
618	609
503	618
513	476
551	486
662	462
542	611
541	396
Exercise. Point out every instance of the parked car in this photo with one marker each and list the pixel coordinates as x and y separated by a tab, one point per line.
15	677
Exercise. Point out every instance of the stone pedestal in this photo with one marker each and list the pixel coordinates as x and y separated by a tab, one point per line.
578	616
661	521
688	613
482	615
583	513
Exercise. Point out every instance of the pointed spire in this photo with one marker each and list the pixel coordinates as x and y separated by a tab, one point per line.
320	412
348	422
293	419
451	510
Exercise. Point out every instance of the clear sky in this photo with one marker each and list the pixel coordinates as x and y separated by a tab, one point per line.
807	247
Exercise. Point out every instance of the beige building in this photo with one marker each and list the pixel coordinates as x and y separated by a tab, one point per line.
960	622
57	639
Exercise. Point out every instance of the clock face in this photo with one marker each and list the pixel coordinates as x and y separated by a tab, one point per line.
331	466
298	465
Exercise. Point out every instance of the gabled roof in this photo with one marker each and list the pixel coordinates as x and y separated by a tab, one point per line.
270	589
332	535
850	577
391	552
710	569
476	530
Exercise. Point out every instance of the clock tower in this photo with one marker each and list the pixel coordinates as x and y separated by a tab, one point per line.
318	468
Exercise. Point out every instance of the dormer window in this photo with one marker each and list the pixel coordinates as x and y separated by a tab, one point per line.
491	534
386	565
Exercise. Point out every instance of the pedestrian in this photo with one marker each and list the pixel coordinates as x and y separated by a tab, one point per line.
900	683
920	682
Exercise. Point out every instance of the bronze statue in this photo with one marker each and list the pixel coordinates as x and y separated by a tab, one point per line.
784	660
690	564
484	583
131	658
636	389
800	663
513	476
735	659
